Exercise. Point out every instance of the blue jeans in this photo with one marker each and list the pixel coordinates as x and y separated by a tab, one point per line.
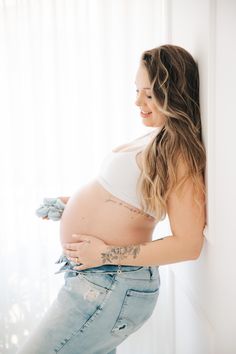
95	310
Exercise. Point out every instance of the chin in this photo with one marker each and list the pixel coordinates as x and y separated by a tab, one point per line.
148	123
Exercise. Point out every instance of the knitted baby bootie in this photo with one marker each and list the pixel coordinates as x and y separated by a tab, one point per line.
52	208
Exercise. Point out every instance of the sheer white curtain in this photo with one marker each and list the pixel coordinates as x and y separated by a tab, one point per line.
67	70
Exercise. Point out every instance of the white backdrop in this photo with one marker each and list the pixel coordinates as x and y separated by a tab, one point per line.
67	71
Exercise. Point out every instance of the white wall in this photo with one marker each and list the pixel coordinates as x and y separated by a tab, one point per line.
204	292
222	305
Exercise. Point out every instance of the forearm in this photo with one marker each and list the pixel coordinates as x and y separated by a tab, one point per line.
159	252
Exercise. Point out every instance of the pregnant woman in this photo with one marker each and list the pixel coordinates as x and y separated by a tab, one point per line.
110	263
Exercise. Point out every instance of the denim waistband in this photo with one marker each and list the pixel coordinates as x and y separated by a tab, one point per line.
106	268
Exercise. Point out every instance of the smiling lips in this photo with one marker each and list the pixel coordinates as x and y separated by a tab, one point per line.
145	114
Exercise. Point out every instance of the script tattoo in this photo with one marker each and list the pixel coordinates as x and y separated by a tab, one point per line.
130	208
119	253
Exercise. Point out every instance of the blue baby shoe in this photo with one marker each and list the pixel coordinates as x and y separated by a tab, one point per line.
52	208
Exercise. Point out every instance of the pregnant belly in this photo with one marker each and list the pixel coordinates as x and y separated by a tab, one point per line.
94	211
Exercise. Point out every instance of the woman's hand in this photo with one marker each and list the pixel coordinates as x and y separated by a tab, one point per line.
64	199
88	250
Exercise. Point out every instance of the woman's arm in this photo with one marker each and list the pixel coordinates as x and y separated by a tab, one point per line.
169	249
187	222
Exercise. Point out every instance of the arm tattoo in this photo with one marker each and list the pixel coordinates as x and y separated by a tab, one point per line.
118	253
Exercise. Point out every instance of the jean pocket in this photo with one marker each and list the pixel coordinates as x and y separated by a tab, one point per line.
136	308
97	280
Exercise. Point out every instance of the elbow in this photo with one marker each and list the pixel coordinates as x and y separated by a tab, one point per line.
197	248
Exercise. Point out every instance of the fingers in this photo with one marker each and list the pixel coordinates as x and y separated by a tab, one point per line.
64	199
71	249
71	254
81	267
80	237
71	246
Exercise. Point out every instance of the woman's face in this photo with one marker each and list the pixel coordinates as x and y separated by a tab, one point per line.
149	111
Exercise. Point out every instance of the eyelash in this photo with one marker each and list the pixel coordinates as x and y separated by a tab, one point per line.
149	97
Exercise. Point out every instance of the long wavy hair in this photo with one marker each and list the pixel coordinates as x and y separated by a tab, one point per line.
174	78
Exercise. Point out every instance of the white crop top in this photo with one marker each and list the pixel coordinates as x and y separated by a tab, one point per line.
119	173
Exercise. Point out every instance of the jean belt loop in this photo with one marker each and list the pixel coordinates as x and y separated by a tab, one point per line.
150	271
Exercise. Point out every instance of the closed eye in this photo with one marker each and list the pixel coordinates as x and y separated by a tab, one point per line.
149	97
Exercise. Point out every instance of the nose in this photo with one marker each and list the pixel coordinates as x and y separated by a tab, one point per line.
139	99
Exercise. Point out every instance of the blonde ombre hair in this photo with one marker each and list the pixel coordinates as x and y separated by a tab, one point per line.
174	79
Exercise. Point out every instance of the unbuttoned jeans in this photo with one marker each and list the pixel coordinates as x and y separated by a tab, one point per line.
95	310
